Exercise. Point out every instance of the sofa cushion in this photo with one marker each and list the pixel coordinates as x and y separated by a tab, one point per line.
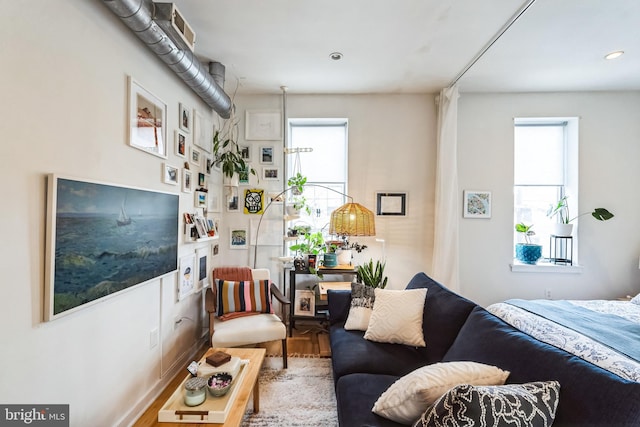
532	404
356	394
412	394
243	296
397	317
362	299
590	396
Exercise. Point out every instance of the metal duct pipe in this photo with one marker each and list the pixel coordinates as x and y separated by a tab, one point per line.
138	16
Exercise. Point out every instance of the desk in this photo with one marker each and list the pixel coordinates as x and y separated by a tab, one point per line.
321	313
325	286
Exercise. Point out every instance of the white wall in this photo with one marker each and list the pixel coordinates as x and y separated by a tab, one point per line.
64	109
391	148
609	176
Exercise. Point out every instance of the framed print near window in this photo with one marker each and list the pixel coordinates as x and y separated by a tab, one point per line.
147	121
186	276
477	204
263	125
305	303
185	118
169	174
391	204
181	144
266	155
270	174
187	181
238	238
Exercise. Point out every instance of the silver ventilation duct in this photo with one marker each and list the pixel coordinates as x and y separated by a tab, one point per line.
138	15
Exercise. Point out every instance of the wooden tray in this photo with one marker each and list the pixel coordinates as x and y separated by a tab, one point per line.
212	410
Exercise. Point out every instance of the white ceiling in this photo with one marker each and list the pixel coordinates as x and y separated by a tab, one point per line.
417	46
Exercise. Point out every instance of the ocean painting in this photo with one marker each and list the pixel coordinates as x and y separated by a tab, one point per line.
103	239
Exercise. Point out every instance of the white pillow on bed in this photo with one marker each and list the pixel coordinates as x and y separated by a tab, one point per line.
636	299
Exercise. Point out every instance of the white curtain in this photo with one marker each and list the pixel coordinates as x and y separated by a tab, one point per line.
447	212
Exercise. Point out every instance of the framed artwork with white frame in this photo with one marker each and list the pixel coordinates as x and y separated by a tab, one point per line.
180	142
194	156
147	120
186	276
187	181
391	204
477	204
169	174
305	303
200	199
202	131
214	199
263	125
270	174
266	155
239	238
202	268
185	118
245	152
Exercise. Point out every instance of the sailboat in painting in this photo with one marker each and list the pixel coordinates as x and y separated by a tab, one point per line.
123	219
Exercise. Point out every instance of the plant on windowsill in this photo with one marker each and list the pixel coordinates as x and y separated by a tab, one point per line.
564	226
527	253
372	275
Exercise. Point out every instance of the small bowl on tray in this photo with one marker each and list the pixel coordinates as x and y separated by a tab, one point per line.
219	383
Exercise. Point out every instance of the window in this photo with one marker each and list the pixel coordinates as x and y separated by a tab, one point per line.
545	169
325	167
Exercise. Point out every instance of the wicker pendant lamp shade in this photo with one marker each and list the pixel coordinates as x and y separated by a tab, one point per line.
352	219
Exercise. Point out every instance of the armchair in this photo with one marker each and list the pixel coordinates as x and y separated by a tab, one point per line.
249	328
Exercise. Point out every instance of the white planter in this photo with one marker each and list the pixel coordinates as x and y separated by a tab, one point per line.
291	211
563	230
234	181
344	256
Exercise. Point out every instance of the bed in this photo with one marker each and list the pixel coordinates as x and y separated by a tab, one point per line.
605	333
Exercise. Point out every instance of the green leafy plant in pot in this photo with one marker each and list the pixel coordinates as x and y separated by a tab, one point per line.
372	274
298	201
312	245
561	210
227	154
527	253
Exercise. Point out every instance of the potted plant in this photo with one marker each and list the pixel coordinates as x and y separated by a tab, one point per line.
227	154
330	258
298	201
527	253
372	274
564	226
312	245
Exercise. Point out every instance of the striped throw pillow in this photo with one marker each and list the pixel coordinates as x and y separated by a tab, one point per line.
248	296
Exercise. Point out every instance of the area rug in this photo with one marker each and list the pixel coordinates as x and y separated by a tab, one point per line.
301	395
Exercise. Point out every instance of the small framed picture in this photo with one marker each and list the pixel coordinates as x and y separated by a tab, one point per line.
477	204
305	303
187	184
181	144
185	118
263	125
270	174
202	268
147	120
243	177
186	276
209	165
201	180
215	250
195	155
200	199
238	238
169	174
254	201
232	199
391	204
266	155
245	152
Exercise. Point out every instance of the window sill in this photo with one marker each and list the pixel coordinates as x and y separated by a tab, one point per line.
544	267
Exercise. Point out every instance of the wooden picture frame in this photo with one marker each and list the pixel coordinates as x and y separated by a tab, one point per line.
391	203
476	204
147	120
304	303
263	125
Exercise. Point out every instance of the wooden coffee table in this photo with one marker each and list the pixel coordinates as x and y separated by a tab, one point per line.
249	385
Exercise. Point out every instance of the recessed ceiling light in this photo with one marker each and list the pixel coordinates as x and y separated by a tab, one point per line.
336	56
614	55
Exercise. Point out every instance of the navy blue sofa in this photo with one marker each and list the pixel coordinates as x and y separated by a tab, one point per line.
457	329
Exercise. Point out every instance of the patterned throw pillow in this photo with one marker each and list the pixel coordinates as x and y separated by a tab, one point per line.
397	317
249	296
362	299
531	404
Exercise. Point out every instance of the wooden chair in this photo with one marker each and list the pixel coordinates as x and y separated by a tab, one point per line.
246	330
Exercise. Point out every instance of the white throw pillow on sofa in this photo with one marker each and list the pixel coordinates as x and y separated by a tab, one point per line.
397	317
362	300
412	394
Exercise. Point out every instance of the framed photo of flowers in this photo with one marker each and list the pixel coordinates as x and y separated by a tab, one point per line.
477	204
